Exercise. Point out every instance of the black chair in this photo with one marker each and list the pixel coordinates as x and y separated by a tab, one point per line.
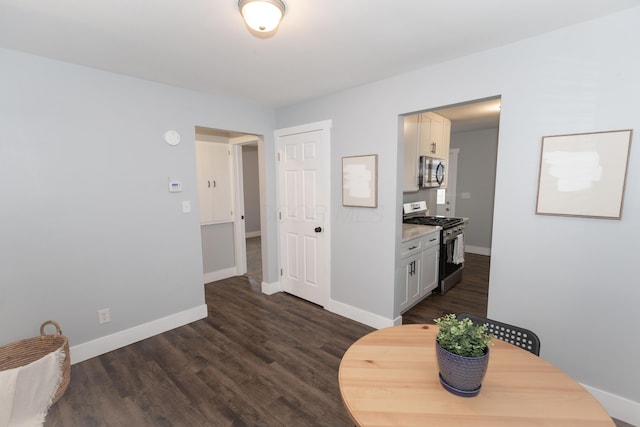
512	334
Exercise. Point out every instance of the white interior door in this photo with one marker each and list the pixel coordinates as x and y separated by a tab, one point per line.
446	204
303	211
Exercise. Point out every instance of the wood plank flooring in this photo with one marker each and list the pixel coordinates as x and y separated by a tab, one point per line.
256	360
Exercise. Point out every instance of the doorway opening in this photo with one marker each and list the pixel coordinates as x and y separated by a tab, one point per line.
251	200
471	164
230	194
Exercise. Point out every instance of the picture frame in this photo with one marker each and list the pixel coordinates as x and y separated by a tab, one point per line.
584	175
360	181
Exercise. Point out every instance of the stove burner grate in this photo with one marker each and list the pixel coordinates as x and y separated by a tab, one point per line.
442	221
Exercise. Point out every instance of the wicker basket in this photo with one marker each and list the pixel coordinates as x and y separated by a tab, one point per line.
21	353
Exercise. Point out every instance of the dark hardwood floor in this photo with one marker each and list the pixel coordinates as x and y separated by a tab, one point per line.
256	360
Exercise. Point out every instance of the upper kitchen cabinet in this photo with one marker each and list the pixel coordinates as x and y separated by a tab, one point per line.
214	182
425	134
435	135
411	138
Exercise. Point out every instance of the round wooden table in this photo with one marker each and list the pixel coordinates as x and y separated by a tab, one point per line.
390	378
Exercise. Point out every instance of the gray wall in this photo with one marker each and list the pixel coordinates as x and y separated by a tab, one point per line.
251	189
218	250
86	219
555	275
476	176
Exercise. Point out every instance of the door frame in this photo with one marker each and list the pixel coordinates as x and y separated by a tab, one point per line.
325	127
239	232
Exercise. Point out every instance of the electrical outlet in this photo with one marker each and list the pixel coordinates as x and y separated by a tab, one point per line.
104	316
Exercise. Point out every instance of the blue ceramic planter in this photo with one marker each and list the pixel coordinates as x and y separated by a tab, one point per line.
461	375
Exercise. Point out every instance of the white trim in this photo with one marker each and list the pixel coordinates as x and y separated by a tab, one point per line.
237	182
325	127
214	276
89	349
252	234
271	288
477	250
359	315
618	407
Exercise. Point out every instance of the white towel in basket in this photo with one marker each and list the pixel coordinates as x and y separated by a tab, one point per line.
26	393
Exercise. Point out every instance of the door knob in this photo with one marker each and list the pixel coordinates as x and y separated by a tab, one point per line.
317	229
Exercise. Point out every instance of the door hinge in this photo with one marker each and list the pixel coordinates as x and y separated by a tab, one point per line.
279	215
281	273
278	156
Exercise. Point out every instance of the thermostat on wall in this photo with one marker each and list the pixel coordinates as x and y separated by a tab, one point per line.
175	186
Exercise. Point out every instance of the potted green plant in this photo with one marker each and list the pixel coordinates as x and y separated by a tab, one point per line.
462	350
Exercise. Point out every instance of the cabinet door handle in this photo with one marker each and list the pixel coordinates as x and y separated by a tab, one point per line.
432	240
209	184
412	248
214	184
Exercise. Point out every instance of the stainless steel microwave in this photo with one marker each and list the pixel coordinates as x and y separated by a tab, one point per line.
432	172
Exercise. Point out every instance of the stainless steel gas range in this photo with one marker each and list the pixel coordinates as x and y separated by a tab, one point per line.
451	261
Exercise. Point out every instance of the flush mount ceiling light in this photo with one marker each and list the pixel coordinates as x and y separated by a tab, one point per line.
262	15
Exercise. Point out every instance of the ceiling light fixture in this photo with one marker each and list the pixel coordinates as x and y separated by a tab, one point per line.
262	15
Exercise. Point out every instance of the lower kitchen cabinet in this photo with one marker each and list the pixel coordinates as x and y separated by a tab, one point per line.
418	269
430	269
411	268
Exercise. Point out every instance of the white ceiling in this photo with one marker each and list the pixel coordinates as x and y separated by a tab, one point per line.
321	47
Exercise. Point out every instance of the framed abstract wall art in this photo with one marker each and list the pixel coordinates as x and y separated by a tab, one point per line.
360	181
584	174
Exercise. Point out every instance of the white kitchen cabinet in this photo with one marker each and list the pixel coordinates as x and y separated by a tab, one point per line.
411	268
430	257
419	269
427	134
435	135
214	182
411	137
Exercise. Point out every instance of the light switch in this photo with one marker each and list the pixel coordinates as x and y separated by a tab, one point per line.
465	195
186	206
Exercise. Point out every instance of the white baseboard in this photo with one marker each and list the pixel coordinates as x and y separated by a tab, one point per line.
479	250
87	350
359	315
214	276
251	234
618	407
271	288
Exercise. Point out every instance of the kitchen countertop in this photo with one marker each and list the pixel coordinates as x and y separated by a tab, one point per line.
412	231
